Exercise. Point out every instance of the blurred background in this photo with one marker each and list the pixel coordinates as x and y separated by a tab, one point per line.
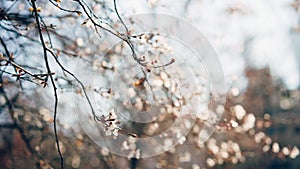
258	45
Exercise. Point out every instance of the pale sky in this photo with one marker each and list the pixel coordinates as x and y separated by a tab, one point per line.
265	25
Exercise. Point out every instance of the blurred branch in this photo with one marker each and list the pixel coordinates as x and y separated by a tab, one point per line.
11	126
15	122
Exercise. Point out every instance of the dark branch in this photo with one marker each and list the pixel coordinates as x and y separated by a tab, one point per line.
52	81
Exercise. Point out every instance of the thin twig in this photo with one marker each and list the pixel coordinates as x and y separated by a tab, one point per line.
71	74
15	65
48	34
121	20
10	59
63	9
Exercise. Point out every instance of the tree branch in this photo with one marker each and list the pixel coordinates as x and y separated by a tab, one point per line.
52	81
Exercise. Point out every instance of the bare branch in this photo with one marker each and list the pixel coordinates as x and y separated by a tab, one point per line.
52	81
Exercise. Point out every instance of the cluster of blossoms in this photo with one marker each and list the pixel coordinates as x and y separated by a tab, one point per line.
130	145
224	152
111	124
